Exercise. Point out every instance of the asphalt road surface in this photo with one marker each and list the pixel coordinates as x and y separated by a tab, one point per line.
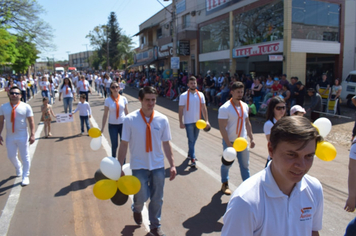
59	199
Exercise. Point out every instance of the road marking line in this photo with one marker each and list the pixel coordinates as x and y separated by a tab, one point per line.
107	147
202	166
13	199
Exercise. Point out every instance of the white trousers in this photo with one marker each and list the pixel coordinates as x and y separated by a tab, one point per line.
19	143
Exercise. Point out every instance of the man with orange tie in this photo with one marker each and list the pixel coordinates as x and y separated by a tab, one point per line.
191	105
234	123
15	113
147	130
83	87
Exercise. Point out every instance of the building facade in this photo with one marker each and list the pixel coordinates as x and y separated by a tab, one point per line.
80	60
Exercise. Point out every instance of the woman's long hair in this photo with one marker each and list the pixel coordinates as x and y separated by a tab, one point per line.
70	83
271	105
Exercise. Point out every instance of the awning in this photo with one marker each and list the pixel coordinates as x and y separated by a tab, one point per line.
142	63
149	27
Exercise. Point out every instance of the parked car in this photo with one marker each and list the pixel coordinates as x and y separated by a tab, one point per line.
349	88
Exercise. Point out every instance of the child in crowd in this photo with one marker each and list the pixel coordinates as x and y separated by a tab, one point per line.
252	108
47	111
297	110
84	112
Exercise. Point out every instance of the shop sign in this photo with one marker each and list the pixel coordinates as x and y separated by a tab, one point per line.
144	56
275	57
175	63
216	5
258	49
165	50
184	48
180	6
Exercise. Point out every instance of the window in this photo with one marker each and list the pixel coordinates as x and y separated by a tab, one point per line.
143	40
159	33
186	21
215	36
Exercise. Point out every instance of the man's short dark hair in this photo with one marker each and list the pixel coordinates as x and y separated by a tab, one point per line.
293	129
192	78
146	90
311	90
14	87
237	85
83	96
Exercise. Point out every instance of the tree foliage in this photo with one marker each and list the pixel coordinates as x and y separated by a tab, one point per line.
126	49
114	33
27	54
8	50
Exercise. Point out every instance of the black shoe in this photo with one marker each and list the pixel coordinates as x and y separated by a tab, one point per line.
157	232
137	217
193	164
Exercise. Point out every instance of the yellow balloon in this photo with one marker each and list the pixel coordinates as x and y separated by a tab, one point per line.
240	144
317	129
105	189
325	151
129	184
201	124
94	132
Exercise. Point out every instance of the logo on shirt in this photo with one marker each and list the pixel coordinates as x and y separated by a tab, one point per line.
306	213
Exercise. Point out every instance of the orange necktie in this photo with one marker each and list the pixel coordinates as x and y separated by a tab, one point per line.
148	131
13	115
84	85
239	119
199	102
117	104
66	89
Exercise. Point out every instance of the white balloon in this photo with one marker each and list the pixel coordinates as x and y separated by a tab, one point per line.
127	169
229	154
95	143
324	125
111	168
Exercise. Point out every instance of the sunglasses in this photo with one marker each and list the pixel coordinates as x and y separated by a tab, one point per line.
114	87
14	93
278	108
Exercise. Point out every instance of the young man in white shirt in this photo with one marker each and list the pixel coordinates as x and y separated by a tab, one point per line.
233	123
147	131
281	199
191	105
16	113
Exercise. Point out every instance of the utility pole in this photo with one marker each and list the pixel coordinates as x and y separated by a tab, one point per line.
174	35
54	68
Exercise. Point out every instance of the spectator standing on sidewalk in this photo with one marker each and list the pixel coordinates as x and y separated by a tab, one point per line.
233	123
191	106
146	131
15	113
315	104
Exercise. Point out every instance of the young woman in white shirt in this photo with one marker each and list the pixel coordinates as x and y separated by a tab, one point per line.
116	107
107	82
68	91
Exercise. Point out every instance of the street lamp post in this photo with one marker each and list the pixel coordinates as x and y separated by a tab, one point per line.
174	34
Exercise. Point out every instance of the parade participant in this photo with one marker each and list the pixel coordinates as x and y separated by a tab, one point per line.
276	110
315	104
22	85
9	86
107	83
47	111
68	92
15	114
116	107
233	123
351	200
83	87
281	199
53	85
146	131
45	87
297	110
191	106
84	113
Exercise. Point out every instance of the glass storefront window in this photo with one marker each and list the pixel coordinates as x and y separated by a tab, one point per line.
315	20
216	67
261	24
215	36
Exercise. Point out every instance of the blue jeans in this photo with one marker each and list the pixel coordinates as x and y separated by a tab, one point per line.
114	131
244	160
152	184
257	101
351	228
68	102
192	135
86	119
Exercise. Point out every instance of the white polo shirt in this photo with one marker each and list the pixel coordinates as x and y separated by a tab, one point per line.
268	126
134	132
23	83
81	86
259	208
23	110
228	112
107	82
44	85
75	81
193	115
70	92
84	109
112	110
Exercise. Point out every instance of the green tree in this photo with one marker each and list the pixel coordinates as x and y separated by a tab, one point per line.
99	40
22	17
27	54
114	33
126	49
8	50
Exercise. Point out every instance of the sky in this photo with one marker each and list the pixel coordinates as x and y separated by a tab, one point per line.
72	20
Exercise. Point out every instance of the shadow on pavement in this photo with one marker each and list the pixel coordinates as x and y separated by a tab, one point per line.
181	169
60	139
75	186
2	190
129	230
206	221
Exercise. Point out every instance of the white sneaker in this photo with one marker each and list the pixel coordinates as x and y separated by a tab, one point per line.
25	181
19	172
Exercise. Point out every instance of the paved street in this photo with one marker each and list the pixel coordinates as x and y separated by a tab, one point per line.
59	199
